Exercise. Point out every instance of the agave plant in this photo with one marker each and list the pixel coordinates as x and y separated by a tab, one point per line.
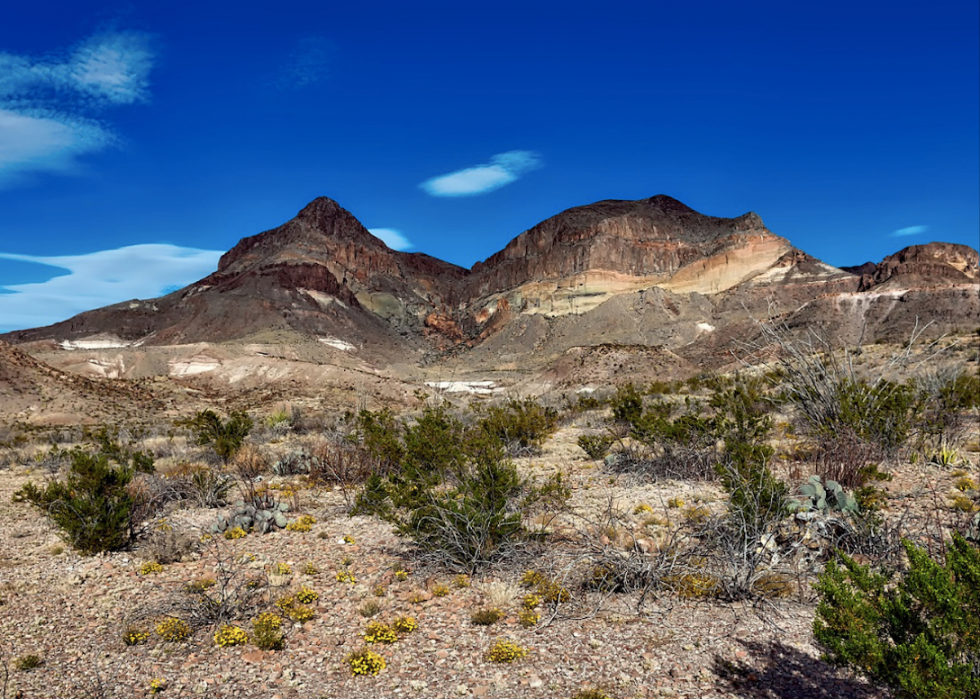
824	496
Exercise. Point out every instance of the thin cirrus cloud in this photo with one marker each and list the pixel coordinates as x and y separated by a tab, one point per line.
910	230
391	237
48	106
99	279
502	169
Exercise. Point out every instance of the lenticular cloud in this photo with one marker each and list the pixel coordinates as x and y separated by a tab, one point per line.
502	169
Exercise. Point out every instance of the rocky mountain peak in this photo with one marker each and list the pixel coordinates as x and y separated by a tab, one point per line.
932	264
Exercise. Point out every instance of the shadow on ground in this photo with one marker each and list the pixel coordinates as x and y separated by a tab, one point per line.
777	671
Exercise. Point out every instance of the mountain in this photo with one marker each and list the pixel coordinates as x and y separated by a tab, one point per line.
651	273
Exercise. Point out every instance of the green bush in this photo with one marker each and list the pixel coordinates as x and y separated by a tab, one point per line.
596	445
520	425
454	494
918	633
756	496
226	438
92	505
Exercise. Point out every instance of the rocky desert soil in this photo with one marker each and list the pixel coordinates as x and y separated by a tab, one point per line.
72	611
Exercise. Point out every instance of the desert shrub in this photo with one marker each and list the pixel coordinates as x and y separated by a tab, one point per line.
92	505
346	466
173	629
365	662
486	616
377	632
267	632
455	495
756	497
225	438
520	425
596	446
627	404
230	636
380	433
405	624
230	593
506	652
948	399
916	633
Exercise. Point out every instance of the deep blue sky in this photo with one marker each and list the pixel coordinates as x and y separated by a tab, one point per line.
192	125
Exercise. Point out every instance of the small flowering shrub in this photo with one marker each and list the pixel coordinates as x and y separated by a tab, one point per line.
346	576
405	624
235	533
642	508
307	595
310	568
461	581
230	636
440	590
377	632
487	616
267	631
135	636
294	610
281	569
554	593
380	591
506	652
157	685
200	585
365	662
401	575
675	503
528	618
532	578
530	601
349	540
150	568
173	629
303	524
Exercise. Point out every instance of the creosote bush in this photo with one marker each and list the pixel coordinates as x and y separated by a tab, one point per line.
454	494
226	438
93	505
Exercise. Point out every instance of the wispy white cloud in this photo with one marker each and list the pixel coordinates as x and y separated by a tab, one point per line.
309	63
502	169
910	230
46	104
391	237
99	279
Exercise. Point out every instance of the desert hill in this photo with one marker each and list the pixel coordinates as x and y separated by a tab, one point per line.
320	297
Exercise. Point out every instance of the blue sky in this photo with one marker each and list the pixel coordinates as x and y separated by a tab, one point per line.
138	141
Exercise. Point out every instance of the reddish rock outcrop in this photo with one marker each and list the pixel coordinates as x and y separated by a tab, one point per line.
933	264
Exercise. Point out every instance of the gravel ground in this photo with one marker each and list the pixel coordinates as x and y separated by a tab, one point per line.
71	612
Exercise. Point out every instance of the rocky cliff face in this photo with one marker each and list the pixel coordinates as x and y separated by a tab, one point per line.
933	264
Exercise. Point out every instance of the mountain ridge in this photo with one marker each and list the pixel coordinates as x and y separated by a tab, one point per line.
323	275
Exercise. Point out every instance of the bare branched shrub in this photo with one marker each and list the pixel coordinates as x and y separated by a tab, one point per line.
345	466
165	543
232	592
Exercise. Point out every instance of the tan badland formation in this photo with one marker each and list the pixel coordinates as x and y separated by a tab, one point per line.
616	290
